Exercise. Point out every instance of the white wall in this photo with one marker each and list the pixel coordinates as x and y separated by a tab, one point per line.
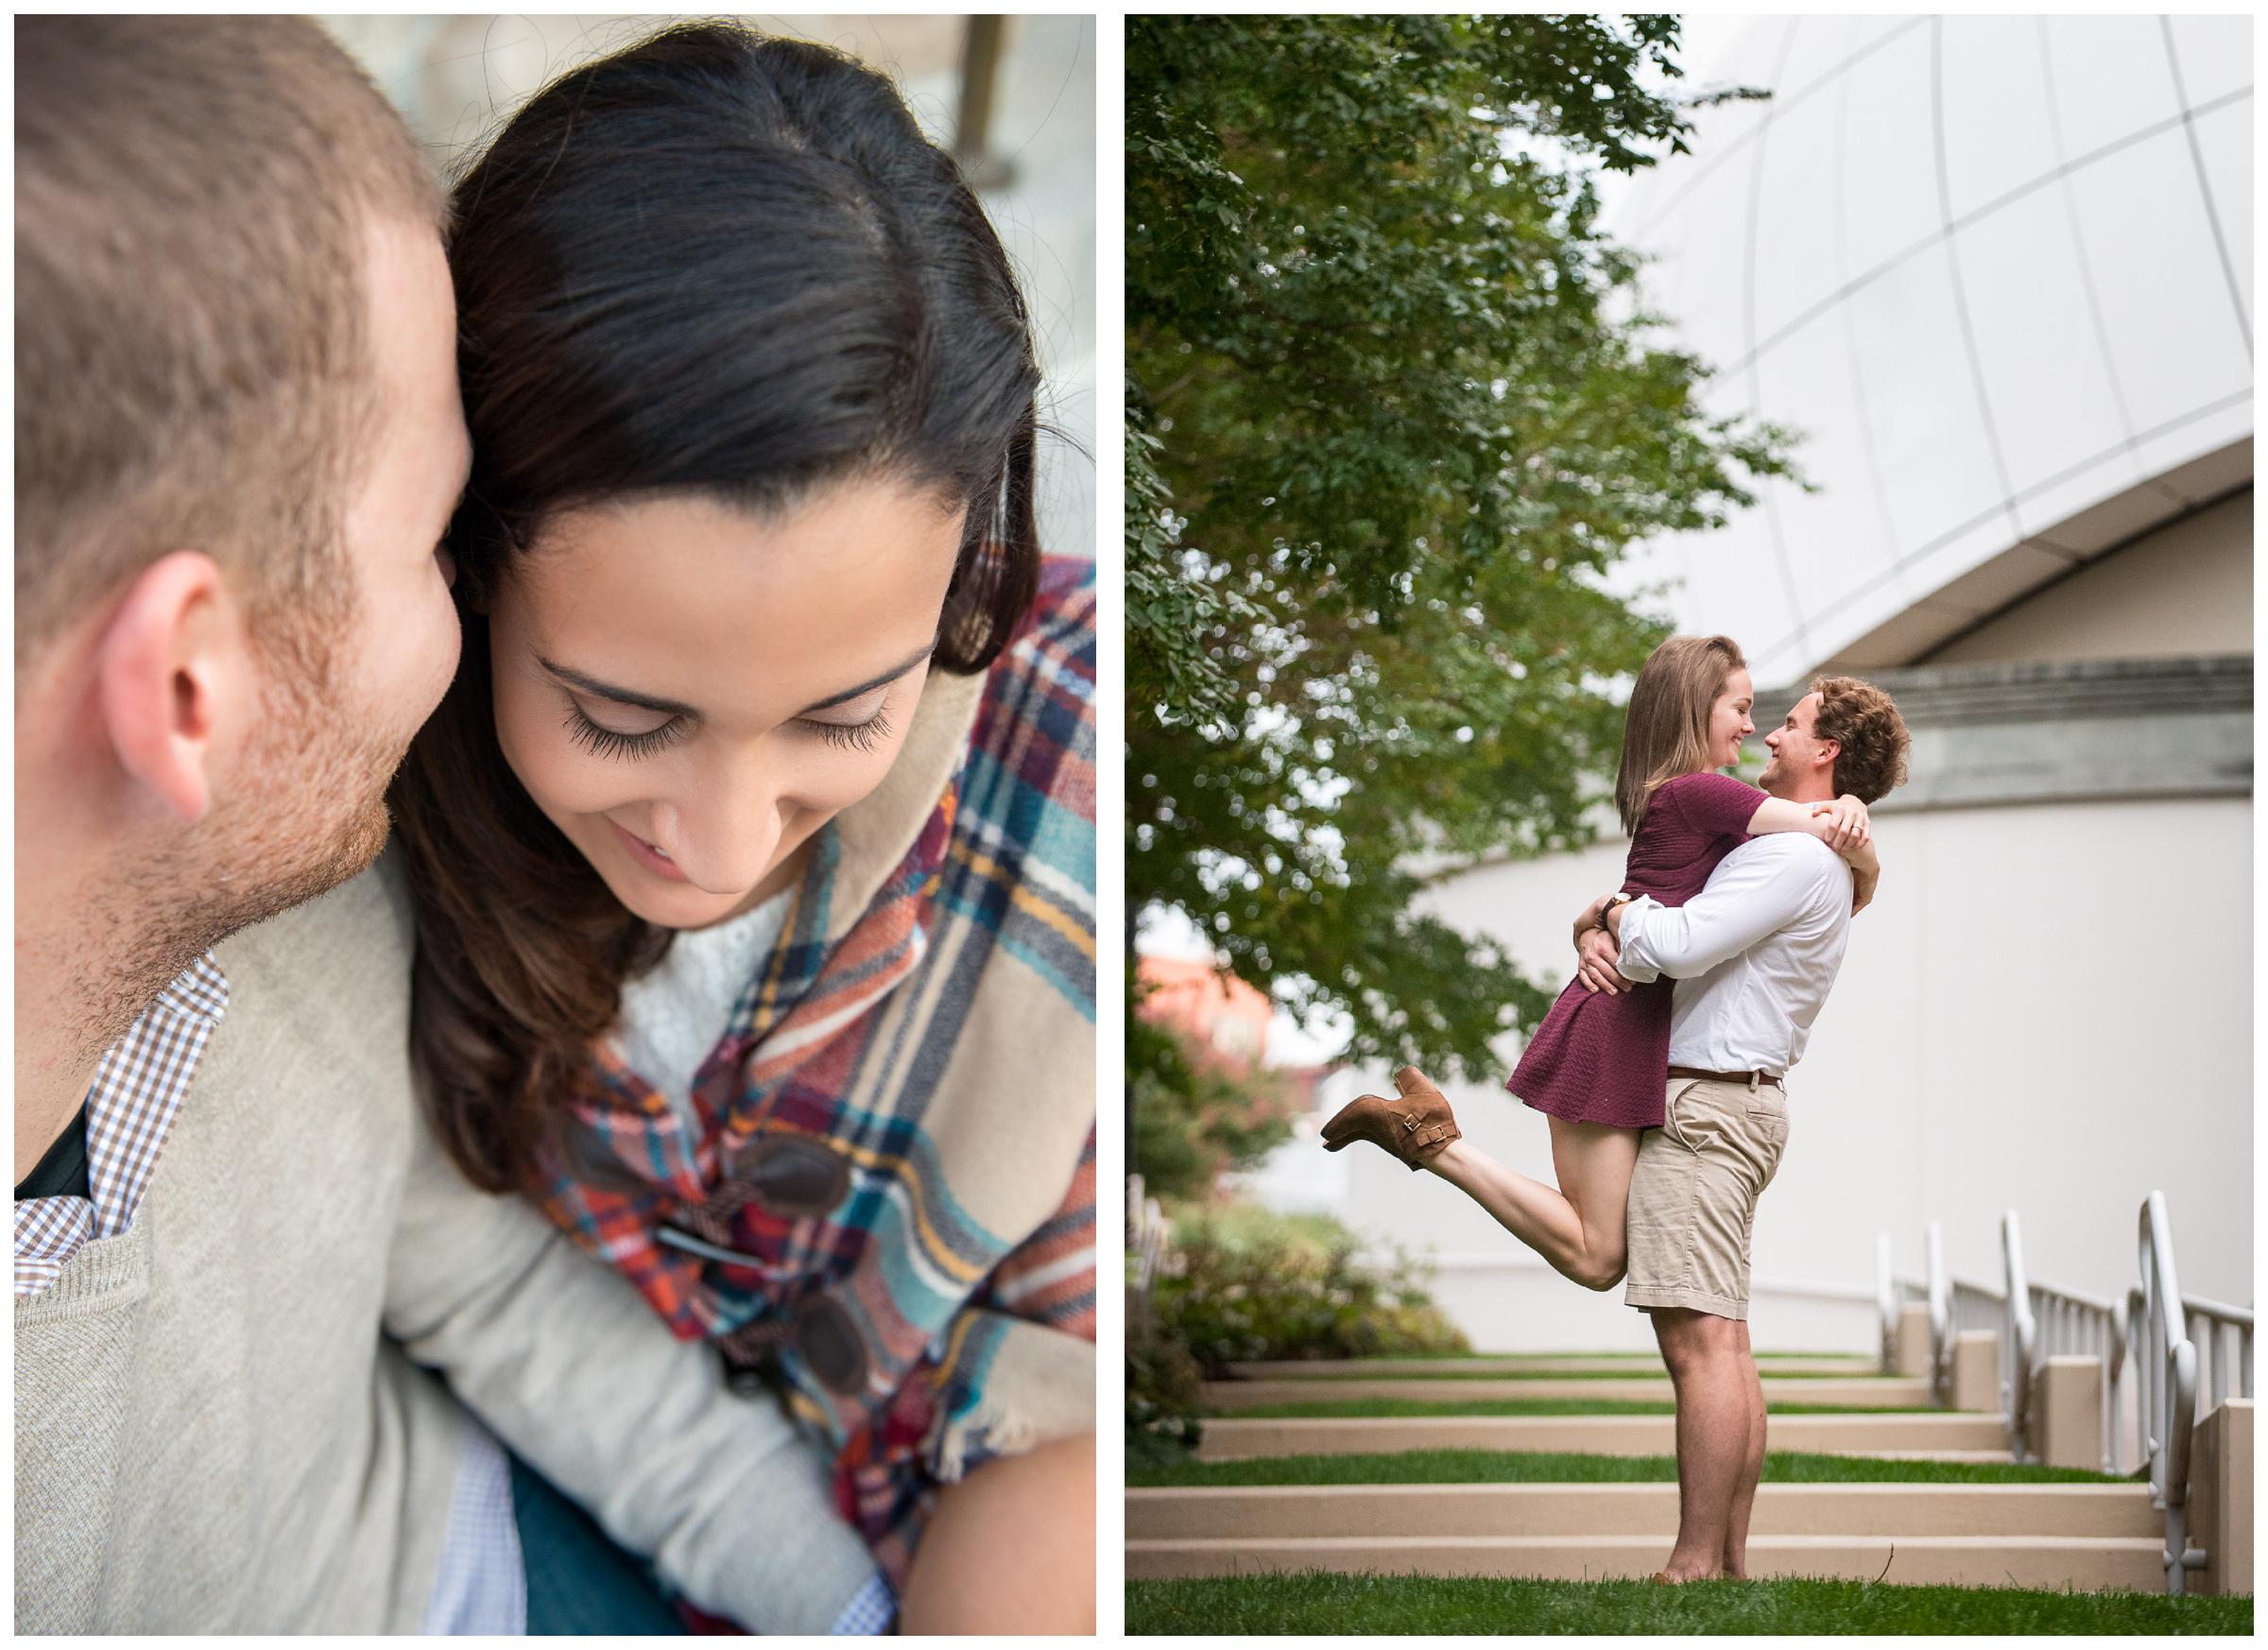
2049	1008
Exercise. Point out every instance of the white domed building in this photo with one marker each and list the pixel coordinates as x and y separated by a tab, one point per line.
1996	273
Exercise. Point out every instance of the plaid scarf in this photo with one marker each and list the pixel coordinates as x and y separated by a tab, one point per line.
896	1235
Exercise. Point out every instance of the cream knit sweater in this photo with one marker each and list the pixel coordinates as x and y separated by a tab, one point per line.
221	1424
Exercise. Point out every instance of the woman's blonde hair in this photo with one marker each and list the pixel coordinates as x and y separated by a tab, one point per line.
1665	732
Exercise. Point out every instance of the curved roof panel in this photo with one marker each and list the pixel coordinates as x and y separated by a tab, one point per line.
1995	271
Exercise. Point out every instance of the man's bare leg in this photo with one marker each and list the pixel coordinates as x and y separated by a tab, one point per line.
1578	1227
1704	1356
1752	1467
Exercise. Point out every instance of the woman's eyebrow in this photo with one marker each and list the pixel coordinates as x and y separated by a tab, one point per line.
621	696
866	687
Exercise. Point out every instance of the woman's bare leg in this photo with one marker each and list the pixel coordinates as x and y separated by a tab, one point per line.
1578	1227
1010	1548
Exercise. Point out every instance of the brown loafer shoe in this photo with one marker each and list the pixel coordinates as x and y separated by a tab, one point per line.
1412	1127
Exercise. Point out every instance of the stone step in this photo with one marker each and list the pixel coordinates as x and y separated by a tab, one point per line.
1925	1432
2087	1563
1423	1511
1876	1391
1334	1369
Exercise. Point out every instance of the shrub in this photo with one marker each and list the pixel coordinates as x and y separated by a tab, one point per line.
1244	1285
1164	1389
1194	1114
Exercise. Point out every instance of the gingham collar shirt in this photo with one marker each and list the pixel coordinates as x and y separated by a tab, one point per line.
137	1088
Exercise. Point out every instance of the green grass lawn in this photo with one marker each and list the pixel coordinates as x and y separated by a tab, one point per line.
1322	1603
1355	1372
1384	1408
1538	1357
1521	1467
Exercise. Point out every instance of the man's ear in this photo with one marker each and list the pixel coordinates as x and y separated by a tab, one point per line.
1829	749
170	669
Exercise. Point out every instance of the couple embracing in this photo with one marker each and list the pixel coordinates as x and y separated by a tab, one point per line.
1662	1067
664	1181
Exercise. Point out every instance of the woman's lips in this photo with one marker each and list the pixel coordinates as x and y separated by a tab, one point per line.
648	856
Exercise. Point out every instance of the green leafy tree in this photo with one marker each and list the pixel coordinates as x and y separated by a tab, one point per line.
1392	410
1194	1117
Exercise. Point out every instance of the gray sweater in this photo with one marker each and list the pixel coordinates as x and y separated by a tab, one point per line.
221	1419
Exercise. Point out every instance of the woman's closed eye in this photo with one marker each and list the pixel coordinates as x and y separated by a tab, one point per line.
630	744
863	735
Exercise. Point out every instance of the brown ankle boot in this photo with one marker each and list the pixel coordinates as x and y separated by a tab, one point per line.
1412	1127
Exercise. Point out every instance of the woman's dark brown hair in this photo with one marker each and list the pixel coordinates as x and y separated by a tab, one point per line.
712	264
1665	731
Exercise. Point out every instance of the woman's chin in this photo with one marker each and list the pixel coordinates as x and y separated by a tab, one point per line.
664	904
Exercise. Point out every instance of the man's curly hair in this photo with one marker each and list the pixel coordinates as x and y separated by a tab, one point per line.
1864	723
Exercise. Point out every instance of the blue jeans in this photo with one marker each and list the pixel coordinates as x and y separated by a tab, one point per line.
579	1581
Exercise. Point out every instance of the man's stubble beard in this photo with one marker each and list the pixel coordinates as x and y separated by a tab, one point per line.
304	811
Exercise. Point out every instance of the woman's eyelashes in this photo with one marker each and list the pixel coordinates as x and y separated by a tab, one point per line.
863	735
612	743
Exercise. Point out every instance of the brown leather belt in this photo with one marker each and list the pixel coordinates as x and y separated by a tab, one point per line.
1692	1074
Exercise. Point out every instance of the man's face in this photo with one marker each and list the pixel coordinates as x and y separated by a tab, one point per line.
1795	751
343	694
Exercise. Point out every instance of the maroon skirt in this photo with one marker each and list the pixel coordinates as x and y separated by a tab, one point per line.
1600	1058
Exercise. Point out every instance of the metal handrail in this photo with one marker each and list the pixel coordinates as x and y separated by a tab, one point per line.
2046	1322
2167	1367
1977	1305
1939	1295
2148	1334
1148	1233
1886	1301
2021	1340
2227	1331
2071	1324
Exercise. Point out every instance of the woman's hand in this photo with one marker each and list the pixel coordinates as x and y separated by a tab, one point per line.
1596	954
1847	825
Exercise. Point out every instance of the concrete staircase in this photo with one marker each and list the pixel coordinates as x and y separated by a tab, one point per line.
1630	1363
2084	1536
1924	1433
1228	1396
1978	1535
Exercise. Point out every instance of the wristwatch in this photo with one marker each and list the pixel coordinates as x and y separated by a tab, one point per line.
1613	901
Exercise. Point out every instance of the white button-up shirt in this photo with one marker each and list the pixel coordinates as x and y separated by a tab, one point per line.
1754	954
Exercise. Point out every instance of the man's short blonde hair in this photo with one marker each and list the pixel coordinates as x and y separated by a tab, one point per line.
193	368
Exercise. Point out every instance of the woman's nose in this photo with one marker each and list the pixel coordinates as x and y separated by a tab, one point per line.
724	840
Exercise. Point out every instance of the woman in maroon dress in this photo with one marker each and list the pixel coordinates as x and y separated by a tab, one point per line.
1597	1065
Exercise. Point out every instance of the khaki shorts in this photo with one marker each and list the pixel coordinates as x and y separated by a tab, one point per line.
1692	1196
